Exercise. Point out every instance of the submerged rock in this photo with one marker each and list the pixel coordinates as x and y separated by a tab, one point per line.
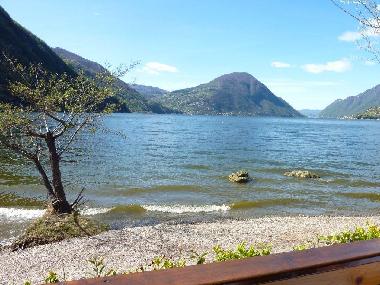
241	176
302	174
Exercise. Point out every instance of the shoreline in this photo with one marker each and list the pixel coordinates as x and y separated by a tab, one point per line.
133	247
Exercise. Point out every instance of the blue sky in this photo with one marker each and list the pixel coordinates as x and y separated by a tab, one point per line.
300	49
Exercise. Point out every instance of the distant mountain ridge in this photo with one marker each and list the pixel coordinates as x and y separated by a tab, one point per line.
149	92
310	113
237	93
19	44
130	99
353	105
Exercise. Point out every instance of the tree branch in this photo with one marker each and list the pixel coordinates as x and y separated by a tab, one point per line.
73	136
45	178
18	149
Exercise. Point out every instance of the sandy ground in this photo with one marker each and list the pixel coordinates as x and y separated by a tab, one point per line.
132	247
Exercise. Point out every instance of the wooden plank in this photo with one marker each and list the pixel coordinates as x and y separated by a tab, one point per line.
368	274
256	270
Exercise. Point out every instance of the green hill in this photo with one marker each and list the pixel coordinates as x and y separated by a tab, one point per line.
149	92
353	104
237	93
18	43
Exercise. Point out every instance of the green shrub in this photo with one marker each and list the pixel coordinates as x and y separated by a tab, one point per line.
52	228
99	268
241	252
302	246
52	277
199	258
360	233
161	262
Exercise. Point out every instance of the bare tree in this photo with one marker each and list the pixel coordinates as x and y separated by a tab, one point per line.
367	14
55	109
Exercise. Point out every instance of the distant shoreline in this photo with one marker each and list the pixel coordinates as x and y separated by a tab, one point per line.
132	247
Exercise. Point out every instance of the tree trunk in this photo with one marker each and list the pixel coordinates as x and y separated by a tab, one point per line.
59	205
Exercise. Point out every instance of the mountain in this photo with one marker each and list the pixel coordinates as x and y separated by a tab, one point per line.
238	93
129	99
149	92
18	43
310	113
353	104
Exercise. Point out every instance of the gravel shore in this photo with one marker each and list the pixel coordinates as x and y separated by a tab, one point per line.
132	247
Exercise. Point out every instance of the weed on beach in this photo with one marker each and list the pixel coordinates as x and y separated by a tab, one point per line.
52	228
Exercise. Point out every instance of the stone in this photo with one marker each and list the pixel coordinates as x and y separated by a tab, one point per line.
241	176
302	174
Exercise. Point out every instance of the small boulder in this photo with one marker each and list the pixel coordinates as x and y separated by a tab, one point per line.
302	174
241	176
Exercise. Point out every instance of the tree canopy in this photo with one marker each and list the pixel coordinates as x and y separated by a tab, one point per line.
54	109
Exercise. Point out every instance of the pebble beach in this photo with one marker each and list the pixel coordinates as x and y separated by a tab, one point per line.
131	248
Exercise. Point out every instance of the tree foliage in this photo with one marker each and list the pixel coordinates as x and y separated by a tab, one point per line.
55	109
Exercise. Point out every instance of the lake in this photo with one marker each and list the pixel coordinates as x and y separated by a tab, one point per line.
175	168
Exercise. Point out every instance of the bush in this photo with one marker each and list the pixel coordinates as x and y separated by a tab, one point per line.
162	262
360	233
53	228
99	268
241	252
302	246
52	277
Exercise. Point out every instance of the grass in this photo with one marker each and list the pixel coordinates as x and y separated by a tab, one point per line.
52	228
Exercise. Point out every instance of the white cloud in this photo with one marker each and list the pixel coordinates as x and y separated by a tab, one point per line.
156	68
365	31
280	64
350	36
333	66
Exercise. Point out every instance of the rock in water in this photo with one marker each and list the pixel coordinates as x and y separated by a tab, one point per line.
302	174
241	176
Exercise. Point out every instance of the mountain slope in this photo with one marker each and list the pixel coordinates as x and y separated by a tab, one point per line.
18	43
149	92
372	113
237	93
353	104
130	99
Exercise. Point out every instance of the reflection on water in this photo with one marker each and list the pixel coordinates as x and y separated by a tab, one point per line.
173	167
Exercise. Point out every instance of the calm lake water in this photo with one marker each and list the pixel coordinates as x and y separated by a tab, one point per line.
174	167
